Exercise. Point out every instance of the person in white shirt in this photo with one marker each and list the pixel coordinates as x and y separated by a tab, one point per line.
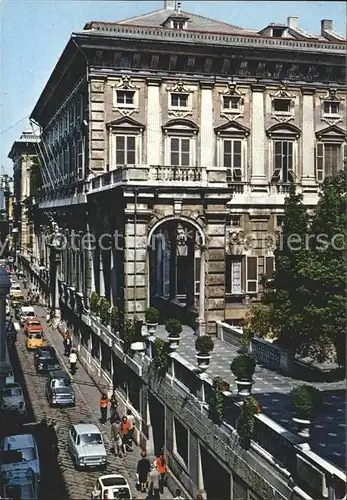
73	361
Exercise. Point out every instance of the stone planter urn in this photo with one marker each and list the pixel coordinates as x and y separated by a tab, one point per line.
204	346
152	319
203	361
145	333
303	427
137	346
174	329
244	387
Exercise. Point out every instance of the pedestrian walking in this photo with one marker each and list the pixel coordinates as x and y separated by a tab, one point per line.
154	483
25	283
67	344
115	431
113	408
103	404
73	361
143	469
161	465
130	435
178	495
125	426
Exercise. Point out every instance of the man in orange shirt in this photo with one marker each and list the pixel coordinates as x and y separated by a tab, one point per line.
161	465
103	404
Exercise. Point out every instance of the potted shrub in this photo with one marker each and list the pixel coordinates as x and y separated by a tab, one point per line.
104	311
114	319
132	335
306	402
204	346
174	329
243	367
161	361
94	303
245	424
216	401
152	319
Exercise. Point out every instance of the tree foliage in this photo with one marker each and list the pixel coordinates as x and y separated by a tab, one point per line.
308	293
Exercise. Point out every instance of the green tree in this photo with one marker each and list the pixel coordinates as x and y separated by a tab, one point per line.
288	294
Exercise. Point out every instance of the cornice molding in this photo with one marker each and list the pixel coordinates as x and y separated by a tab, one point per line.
256	87
154	82
308	91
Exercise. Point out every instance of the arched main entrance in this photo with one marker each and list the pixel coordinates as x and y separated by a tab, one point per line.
176	268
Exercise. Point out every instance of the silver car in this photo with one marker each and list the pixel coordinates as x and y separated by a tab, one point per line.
12	398
86	446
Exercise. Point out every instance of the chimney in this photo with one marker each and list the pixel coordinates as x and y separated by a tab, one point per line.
326	24
169	4
292	22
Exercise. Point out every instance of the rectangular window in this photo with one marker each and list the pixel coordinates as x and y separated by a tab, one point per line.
232	159
230	102
166	266
125	150
252	274
179	100
73	156
125	97
235	275
182	273
181	444
283	162
331	107
80	156
269	267
180	151
197	276
330	158
281	105
178	25
66	159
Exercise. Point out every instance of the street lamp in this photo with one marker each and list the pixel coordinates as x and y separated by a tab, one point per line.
5	285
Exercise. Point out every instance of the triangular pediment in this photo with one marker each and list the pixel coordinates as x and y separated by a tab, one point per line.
232	127
283	129
125	122
332	132
180	124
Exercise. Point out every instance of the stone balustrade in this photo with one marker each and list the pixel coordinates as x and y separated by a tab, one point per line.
271	354
228	333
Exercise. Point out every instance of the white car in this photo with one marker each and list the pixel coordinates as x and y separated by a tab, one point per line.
86	446
12	399
25	313
26	447
110	487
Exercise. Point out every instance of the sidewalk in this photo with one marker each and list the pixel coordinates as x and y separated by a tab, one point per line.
91	395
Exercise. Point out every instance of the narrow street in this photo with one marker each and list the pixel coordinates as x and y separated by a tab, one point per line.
61	480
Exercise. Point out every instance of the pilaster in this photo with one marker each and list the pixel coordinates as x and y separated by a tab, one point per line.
308	141
207	139
258	177
97	133
153	130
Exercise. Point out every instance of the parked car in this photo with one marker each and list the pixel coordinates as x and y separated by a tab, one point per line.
33	325
34	341
20	482
12	398
86	446
48	365
111	486
59	390
26	312
25	444
46	352
16	292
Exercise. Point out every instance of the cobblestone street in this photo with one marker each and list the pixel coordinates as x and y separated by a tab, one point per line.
78	485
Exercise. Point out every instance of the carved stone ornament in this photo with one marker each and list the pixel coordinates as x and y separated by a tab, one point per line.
282	93
126	84
330	96
177	113
232	91
179	87
237	242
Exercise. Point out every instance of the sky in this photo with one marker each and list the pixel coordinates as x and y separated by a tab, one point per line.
34	33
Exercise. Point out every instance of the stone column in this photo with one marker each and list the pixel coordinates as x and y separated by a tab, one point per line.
173	263
207	137
190	301
258	177
308	140
97	131
153	129
5	286
101	275
201	323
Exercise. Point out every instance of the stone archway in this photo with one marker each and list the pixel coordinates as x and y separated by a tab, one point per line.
176	270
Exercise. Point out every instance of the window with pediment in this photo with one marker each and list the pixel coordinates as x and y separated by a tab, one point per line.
331	107
330	152
283	153
126	97
125	142
232	146
232	102
180	143
282	105
180	100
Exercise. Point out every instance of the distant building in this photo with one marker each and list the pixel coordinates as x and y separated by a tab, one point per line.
6	216
24	154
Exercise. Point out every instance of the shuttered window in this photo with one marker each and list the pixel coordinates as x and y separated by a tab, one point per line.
125	150
232	159
180	151
283	162
330	158
252	275
269	267
235	272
